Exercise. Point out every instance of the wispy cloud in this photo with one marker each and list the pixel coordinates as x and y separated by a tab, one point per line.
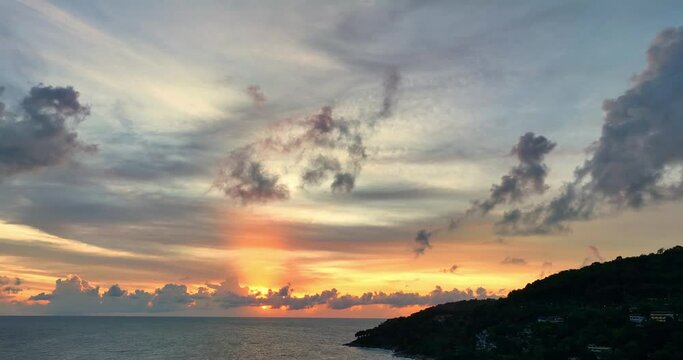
22	234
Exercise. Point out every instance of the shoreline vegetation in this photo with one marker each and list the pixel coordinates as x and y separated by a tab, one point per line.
628	308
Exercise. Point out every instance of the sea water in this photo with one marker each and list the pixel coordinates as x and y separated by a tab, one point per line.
162	338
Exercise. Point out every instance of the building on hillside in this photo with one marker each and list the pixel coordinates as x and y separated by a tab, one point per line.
596	349
636	318
662	316
484	342
550	319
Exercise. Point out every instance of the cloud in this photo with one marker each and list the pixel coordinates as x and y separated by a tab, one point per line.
256	95
71	295
422	242
318	169
337	142
229	286
513	261
116	300
115	291
9	287
401	299
343	183
74	295
634	161
546	267
245	179
451	270
4	280
171	297
524	179
528	177
40	132
392	80
593	256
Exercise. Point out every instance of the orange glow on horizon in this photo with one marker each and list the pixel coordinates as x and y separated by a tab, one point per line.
254	238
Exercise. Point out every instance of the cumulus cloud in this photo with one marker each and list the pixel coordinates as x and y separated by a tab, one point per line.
333	145
402	299
422	242
513	261
71	295
115	291
634	161
171	297
75	295
229	286
40	132
117	300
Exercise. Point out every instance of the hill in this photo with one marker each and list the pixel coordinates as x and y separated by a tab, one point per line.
627	308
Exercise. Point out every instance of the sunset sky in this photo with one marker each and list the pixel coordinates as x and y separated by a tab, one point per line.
332	159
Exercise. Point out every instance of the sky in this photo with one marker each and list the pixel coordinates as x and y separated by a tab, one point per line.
328	159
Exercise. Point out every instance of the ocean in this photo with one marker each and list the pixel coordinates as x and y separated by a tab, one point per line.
146	338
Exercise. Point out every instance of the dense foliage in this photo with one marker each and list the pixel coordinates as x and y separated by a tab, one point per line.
559	317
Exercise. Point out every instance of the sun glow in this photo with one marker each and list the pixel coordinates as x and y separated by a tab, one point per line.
259	245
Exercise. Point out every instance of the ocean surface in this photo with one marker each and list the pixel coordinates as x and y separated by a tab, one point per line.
160	338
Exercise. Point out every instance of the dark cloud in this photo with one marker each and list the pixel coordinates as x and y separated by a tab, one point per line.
593	256
115	291
422	242
12	289
513	261
319	169
392	80
333	145
245	179
5	280
40	133
632	163
40	297
343	183
526	178
572	204
256	95
9	286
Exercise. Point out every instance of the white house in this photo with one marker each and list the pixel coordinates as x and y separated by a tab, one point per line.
662	316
